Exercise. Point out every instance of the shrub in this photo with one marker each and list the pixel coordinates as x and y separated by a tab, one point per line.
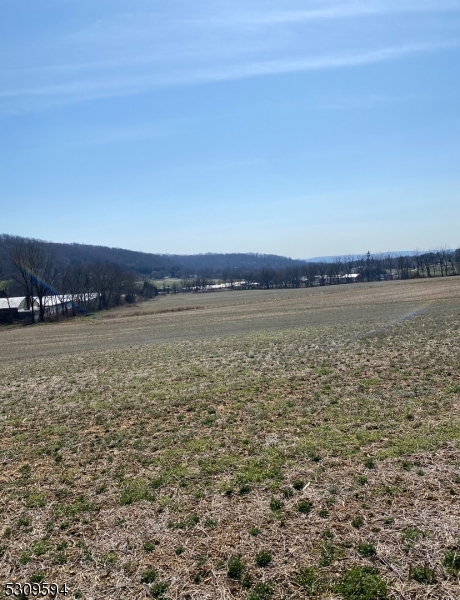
311	581
369	463
298	484
305	506
35	500
276	504
314	456
62	546
41	547
329	554
193	520
25	471
412	534
288	492
452	560
261	591
423	574
263	558
366	550
236	567
23	521
246	581
362	583
60	558
210	522
149	546
357	522
158	589
149	576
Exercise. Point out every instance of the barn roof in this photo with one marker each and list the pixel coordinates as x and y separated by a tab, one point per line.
20	302
16	302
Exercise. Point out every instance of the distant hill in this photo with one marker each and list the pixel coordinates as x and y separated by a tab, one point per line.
328	259
158	266
146	264
141	262
223	262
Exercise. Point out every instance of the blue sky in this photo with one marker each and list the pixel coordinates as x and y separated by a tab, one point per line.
299	128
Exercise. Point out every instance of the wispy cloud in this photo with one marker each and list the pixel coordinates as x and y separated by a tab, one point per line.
130	85
134	52
242	29
355	8
276	67
249	12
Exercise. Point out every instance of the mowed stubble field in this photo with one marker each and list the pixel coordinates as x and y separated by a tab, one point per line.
259	444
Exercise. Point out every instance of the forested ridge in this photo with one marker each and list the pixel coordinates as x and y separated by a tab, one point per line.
145	264
77	276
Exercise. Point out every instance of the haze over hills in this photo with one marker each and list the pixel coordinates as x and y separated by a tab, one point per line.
102	277
148	264
161	265
342	256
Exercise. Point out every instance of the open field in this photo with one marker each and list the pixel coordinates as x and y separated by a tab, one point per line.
167	281
260	444
183	317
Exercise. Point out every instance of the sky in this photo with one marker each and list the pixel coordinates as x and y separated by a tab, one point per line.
312	128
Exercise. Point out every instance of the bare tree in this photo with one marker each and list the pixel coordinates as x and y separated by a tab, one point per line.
442	254
418	261
5	293
22	259
130	285
99	276
338	268
456	258
43	267
186	284
247	277
149	290
452	263
265	277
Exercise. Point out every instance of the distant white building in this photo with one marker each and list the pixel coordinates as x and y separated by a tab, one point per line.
20	307
19	303
352	277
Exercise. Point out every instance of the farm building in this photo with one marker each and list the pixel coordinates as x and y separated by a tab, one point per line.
19	308
15	308
352	277
19	303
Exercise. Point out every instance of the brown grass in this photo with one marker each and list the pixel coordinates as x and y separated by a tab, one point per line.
160	442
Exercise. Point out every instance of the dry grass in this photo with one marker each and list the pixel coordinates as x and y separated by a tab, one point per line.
319	426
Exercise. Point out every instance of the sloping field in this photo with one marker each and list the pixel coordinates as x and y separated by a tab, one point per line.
184	317
277	444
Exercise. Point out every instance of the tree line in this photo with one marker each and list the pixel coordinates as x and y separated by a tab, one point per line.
53	284
68	288
441	262
146	264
